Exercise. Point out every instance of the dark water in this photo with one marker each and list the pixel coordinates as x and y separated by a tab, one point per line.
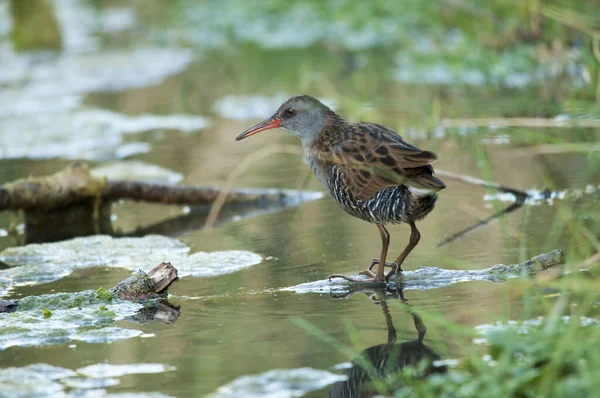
240	324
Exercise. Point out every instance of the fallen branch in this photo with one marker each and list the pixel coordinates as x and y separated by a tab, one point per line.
426	278
526	122
441	277
75	185
520	195
140	286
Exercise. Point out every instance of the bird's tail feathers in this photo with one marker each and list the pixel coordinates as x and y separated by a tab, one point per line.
424	184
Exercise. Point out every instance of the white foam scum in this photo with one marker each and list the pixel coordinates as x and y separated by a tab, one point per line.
42	263
41	95
91	134
90	324
278	383
44	380
538	197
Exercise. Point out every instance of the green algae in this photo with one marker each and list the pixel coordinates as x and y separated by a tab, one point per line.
104	294
81	316
88	298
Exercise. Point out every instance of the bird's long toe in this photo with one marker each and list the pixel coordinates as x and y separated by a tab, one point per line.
372	279
375	261
368	273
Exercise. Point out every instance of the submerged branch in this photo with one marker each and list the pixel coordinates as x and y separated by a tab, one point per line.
520	195
75	185
480	224
426	278
527	122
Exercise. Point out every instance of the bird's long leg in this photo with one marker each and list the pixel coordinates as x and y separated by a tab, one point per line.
379	276
385	243
415	236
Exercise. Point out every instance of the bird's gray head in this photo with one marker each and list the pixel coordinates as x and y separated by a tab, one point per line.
303	116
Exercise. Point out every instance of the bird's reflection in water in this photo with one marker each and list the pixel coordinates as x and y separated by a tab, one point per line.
384	361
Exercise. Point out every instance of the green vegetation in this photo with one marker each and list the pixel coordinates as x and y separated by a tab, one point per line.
556	357
104	294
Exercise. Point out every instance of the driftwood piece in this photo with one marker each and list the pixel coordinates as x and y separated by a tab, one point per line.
138	287
426	278
442	277
69	186
75	184
141	286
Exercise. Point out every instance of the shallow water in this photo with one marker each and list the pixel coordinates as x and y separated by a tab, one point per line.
243	323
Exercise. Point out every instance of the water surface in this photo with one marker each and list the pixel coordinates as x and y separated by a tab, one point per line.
242	323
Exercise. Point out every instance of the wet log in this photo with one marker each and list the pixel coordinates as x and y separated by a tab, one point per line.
138	287
142	286
438	277
74	185
426	278
520	195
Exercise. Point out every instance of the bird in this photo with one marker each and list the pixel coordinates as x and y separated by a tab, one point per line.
368	169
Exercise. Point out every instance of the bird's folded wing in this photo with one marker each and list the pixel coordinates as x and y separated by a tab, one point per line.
373	157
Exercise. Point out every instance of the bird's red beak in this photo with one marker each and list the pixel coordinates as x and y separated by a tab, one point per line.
270	123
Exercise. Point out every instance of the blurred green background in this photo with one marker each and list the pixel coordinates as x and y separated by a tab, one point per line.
503	90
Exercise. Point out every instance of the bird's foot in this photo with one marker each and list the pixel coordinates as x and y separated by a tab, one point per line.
372	278
375	261
395	268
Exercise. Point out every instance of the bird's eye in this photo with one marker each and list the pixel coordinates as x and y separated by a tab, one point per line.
290	111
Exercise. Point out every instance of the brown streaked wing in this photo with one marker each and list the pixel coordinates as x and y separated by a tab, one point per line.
373	157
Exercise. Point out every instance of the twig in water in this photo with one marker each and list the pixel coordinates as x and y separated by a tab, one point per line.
519	195
593	260
239	170
527	122
480	224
